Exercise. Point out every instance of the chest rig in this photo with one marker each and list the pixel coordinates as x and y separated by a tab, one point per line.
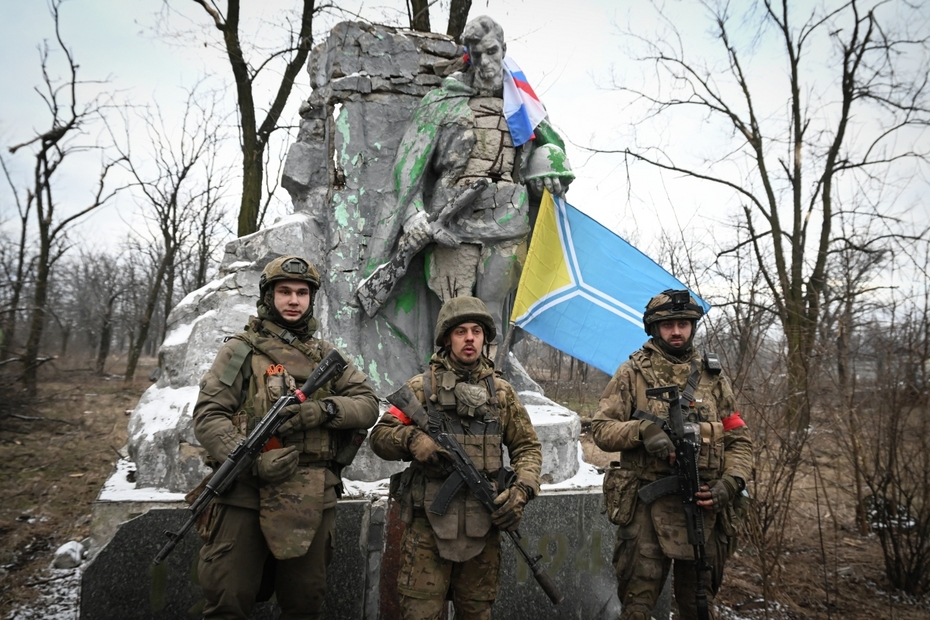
279	363
695	379
469	412
697	382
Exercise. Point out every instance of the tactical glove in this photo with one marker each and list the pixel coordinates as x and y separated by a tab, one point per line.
724	491
277	465
423	448
308	414
511	503
655	440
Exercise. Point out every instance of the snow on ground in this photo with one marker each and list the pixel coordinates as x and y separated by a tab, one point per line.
118	488
59	596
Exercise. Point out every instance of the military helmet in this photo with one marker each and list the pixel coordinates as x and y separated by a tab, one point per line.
460	310
288	268
548	160
671	304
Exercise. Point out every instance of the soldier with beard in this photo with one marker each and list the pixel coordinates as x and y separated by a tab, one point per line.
458	554
273	530
651	537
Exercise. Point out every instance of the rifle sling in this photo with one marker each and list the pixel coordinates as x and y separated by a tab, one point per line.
693	379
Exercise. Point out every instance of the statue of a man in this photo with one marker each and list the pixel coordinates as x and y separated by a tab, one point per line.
459	135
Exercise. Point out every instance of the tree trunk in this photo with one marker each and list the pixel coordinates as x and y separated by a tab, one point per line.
37	323
419	15
106	332
458	17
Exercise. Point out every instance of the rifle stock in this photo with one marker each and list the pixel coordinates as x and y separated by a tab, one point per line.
374	290
248	449
405	400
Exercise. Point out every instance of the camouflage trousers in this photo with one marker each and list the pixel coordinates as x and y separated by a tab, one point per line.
642	569
425	580
231	562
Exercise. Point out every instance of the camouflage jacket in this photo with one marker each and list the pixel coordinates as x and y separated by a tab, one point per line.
726	443
235	393
390	436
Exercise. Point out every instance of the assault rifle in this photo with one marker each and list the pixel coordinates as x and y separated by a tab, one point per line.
685	483
465	472
374	290
248	449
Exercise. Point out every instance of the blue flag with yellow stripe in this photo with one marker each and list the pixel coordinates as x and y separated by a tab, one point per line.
583	289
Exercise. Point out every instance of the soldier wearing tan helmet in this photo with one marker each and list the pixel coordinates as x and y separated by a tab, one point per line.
651	539
443	556
273	530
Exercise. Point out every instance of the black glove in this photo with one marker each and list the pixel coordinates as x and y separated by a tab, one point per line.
655	440
511	503
724	491
308	414
277	465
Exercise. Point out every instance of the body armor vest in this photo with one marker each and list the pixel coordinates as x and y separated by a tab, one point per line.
654	370
277	368
470	412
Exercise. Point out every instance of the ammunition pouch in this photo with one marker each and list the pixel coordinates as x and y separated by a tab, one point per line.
401	491
620	494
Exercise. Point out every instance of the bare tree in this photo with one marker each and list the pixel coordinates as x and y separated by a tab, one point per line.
15	267
790	166
69	120
418	16
247	63
179	195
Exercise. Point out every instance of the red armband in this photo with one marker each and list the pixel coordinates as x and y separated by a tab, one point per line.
400	415
733	421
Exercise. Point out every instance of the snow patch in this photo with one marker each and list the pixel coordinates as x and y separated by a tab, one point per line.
120	488
181	334
159	409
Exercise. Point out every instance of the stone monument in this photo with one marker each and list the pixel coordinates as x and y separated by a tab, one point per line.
357	193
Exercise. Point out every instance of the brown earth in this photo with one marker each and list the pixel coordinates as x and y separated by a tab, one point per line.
58	451
839	576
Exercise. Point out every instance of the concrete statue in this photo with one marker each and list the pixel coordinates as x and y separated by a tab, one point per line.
460	177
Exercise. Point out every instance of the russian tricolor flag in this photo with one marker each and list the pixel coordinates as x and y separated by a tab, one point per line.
522	108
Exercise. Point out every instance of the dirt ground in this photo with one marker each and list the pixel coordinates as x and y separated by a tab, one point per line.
851	586
57	453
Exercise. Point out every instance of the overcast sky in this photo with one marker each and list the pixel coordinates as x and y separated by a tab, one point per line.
567	50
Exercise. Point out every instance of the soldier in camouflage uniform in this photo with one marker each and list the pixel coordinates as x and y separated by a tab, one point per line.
274	528
458	554
651	537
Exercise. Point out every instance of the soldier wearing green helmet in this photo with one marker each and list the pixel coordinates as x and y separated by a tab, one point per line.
273	530
651	539
442	556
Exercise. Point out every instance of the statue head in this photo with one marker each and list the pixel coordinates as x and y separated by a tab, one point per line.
484	39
